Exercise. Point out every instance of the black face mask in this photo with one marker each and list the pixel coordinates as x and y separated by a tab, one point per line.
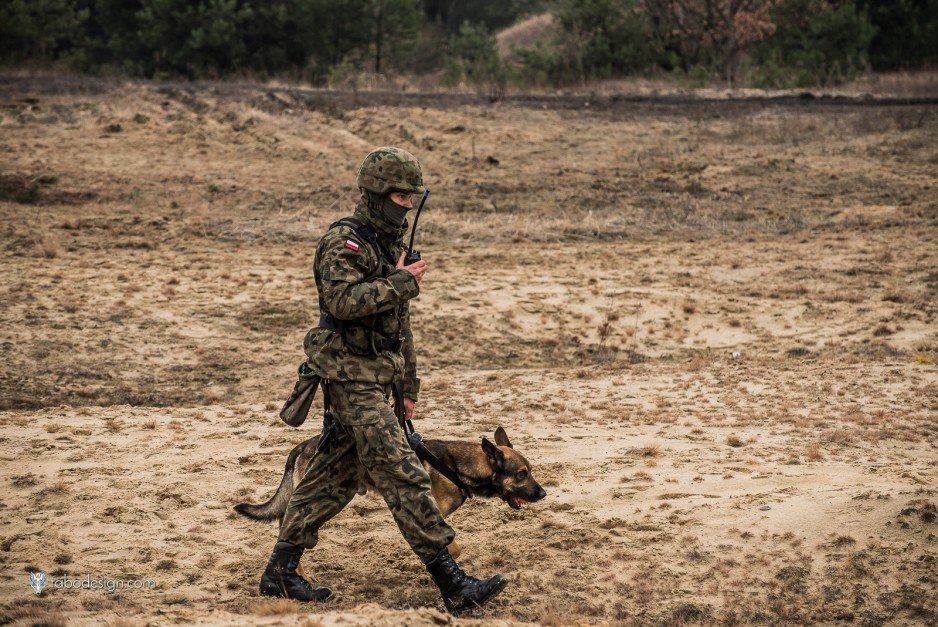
393	213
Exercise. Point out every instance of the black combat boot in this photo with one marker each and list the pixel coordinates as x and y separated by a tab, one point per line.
281	579
460	591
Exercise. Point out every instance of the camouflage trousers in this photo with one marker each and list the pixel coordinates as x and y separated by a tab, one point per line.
368	432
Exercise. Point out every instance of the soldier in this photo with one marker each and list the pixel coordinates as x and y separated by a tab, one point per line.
362	345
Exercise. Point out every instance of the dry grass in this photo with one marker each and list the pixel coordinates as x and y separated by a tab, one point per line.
555	615
58	487
48	248
649	450
814	453
917	84
838	436
32	615
841	541
279	607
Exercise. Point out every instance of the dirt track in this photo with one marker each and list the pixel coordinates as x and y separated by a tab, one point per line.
591	274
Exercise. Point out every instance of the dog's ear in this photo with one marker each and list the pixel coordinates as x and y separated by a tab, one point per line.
501	438
496	457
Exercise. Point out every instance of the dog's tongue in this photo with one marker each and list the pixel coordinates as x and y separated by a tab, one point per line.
516	502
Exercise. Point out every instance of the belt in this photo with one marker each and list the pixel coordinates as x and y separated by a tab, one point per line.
328	321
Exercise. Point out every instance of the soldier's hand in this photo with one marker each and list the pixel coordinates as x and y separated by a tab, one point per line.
417	269
408	409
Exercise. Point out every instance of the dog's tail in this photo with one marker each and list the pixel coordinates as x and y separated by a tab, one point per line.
276	506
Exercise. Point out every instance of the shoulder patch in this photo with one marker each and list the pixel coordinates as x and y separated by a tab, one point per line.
351	245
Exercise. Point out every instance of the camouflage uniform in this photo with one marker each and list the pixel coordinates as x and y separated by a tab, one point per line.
342	275
356	284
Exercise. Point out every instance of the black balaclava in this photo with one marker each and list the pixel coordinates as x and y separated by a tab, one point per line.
385	209
394	213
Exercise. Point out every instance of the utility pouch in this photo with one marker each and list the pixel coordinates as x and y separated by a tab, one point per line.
296	408
358	340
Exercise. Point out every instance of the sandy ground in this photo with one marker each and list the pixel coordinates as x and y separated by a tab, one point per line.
711	328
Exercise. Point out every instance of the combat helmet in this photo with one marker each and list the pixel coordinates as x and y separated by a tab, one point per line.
390	169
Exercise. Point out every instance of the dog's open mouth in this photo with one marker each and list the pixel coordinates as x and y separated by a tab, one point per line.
514	502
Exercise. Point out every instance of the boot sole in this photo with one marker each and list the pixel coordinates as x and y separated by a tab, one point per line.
488	597
277	593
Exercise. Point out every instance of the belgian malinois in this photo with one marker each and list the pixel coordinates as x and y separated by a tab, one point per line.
488	470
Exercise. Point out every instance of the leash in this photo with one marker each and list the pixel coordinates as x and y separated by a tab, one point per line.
416	443
329	430
415	440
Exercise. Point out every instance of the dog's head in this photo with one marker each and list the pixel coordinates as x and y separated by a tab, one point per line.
512	477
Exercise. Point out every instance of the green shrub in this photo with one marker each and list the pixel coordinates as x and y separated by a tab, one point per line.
541	66
472	58
906	33
43	30
815	43
605	38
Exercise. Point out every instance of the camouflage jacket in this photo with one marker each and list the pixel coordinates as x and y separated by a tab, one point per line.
356	285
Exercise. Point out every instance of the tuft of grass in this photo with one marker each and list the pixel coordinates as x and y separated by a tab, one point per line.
689	307
48	249
33	615
149	424
554	615
62	558
279	607
58	487
649	450
734	441
28	196
837	436
814	453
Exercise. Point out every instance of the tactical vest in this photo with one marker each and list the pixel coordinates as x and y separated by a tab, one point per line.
370	335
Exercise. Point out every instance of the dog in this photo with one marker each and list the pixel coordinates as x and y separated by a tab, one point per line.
489	470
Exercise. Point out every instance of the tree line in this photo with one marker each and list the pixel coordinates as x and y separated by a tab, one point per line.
764	42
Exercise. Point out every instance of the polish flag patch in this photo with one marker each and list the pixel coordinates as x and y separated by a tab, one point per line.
351	245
